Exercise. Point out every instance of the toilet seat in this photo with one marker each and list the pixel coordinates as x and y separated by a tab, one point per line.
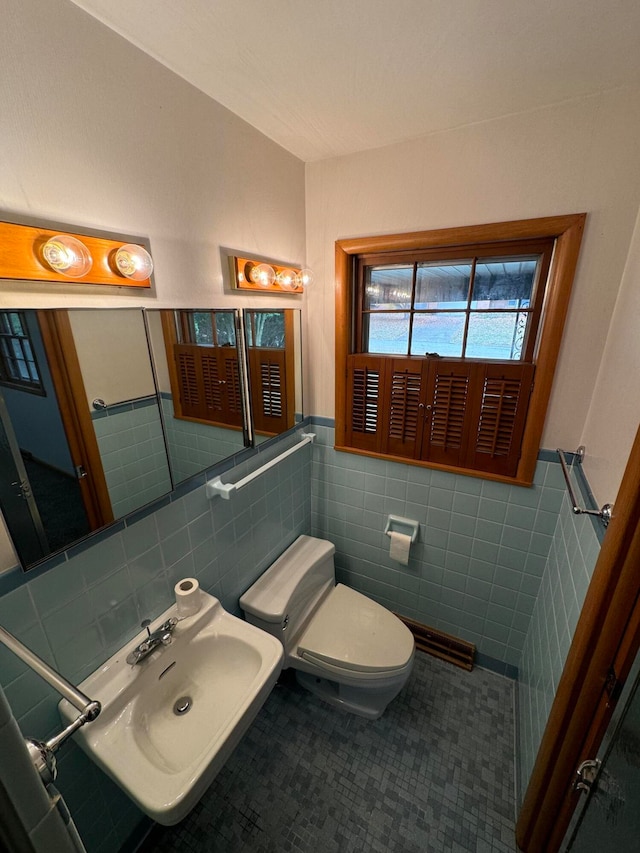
351	633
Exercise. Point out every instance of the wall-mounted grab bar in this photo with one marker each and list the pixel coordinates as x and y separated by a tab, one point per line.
42	752
605	512
216	487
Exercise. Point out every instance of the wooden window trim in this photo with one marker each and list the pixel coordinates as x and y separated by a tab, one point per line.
567	232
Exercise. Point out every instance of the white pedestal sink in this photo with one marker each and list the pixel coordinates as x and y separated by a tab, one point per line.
169	723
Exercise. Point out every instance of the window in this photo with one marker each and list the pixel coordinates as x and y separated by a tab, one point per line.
485	305
439	336
204	372
18	366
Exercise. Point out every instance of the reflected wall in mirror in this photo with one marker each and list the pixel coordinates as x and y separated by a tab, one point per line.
69	467
274	357
199	375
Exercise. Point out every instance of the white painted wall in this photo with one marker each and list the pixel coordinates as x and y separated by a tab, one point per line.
113	354
614	414
97	134
575	157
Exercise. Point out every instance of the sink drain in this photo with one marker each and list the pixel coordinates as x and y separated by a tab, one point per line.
182	705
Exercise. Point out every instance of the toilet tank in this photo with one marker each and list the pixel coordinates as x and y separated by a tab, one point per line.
283	599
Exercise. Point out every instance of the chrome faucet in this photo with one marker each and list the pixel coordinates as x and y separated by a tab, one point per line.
160	637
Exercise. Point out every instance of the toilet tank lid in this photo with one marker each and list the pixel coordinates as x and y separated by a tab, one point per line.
270	595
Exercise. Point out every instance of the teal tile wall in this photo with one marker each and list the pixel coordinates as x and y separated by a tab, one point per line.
475	570
80	611
133	456
572	557
193	446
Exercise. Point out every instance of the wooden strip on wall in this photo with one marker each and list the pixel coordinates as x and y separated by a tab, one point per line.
441	645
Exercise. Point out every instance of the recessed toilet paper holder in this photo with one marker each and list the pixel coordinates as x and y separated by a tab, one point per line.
397	524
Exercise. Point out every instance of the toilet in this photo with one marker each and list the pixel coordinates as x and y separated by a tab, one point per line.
345	648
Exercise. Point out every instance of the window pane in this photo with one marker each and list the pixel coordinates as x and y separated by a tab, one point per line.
269	329
504	284
496	335
386	333
440	333
202	328
443	285
16	324
225	329
388	287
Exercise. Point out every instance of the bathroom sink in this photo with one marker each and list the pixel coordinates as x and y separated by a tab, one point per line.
169	722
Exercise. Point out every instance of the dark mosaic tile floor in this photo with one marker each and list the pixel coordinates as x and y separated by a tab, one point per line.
435	773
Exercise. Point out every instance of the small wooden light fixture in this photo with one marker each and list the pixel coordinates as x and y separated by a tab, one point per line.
250	274
30	253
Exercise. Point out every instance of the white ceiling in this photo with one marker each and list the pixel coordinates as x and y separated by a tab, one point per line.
329	77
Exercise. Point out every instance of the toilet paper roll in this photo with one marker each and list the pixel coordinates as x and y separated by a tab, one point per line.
188	599
399	548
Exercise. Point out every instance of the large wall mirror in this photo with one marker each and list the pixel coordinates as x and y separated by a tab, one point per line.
81	440
93	428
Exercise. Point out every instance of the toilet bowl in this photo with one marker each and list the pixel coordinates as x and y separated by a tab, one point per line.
344	647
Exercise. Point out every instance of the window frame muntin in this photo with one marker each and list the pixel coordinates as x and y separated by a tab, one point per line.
567	230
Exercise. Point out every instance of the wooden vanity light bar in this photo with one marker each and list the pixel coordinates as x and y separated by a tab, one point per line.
240	268
21	257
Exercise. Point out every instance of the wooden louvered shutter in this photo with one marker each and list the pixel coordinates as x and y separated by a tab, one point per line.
404	406
449	395
365	378
268	390
189	378
212	388
209	384
230	373
500	411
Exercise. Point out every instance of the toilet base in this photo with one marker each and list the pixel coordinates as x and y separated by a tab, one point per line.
367	703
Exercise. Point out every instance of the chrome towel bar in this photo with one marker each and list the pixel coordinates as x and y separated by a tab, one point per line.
225	490
42	752
607	509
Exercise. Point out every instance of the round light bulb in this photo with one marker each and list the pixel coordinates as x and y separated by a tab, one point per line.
287	279
67	255
263	275
134	262
305	277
